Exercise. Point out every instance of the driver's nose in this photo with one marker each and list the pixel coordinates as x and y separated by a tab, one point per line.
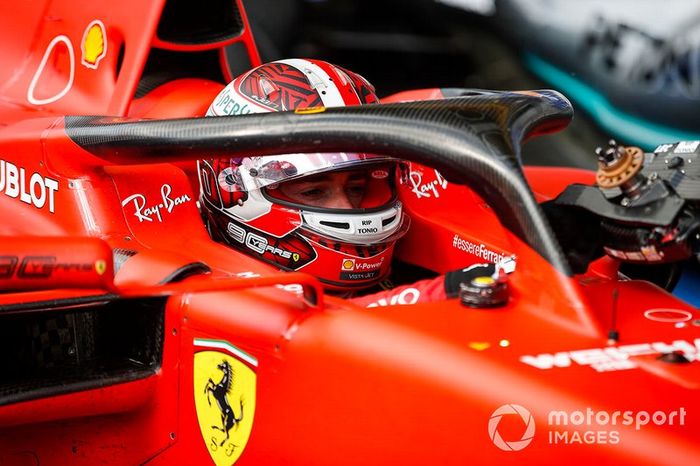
339	200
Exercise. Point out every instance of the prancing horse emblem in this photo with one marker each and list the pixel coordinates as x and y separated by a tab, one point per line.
224	381
220	391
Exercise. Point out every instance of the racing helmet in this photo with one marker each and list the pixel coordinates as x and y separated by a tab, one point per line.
246	206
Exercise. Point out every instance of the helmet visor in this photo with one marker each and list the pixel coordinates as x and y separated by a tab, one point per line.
369	186
261	172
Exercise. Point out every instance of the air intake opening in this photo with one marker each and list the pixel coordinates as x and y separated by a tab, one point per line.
193	22
46	352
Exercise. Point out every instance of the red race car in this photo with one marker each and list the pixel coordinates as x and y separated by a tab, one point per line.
129	336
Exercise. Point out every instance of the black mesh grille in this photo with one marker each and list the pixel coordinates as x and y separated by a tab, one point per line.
50	351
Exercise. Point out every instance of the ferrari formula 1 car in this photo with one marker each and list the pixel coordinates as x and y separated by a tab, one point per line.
128	336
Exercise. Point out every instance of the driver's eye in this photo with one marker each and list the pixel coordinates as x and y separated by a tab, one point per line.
357	190
313	193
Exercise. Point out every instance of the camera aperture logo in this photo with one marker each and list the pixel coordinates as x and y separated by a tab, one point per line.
512	445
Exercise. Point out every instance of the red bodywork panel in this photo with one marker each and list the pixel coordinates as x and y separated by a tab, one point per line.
315	379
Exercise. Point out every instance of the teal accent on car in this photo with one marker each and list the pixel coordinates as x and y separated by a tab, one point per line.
628	128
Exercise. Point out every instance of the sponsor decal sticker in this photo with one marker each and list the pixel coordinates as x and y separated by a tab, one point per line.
483	252
348	264
49	53
43	266
258	243
309	110
427	189
358	275
673	316
686	147
663	148
261	246
94	44
354	269
146	212
224	395
406	296
225	104
369	265
612	358
33	189
236	232
100	267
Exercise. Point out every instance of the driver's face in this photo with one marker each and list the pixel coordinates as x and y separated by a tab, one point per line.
333	190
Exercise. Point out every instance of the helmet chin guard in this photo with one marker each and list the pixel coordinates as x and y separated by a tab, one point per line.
359	228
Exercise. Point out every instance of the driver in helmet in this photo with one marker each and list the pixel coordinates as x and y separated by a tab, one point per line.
333	215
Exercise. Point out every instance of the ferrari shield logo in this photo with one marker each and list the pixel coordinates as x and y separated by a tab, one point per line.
224	395
100	267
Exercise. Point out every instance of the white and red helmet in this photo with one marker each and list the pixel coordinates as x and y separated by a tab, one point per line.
349	248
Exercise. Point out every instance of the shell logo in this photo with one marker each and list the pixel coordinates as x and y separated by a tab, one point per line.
348	264
94	44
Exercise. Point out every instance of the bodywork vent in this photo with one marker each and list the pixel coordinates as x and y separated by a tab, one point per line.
65	347
192	22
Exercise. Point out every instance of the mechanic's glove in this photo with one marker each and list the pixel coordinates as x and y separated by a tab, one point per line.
466	275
